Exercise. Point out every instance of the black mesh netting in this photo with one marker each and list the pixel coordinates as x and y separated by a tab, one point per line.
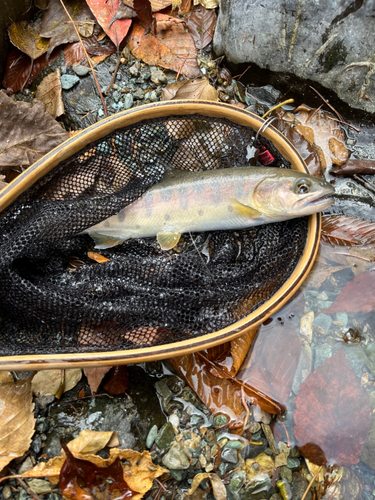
54	298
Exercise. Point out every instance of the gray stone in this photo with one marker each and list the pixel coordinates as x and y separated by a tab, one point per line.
177	474
356	357
139	94
22	495
176	457
322	352
229	455
315	40
116	96
286	473
26	465
80	70
40	486
134	71
151	436
42	424
7	492
252	450
157	76
165	436
293	463
68	81
299	487
128	101
303	368
153	96
323	322
219	421
36	445
368	453
234	445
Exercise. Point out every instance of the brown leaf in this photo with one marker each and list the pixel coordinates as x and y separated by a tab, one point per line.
74	52
191	89
81	479
201	25
173	49
123	12
208	4
90	442
95	376
47	382
26	37
144	13
333	413
49	92
343	230
156	5
18	67
104	11
351	167
218	488
168	24
356	296
17	420
56	24
118	381
23	143
97	257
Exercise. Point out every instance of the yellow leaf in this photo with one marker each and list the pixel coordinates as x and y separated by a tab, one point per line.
49	91
90	442
17	420
207	4
48	382
199	88
25	36
5	377
218	487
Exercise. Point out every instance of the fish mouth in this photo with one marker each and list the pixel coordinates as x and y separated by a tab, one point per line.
315	202
325	200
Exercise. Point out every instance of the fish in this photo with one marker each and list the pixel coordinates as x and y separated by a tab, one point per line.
223	199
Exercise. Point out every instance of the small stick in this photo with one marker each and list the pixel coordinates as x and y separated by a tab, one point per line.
84	397
311	482
29	491
286	432
87	57
333	109
107	91
244	404
344	123
28	76
161	484
314	113
364	183
241	75
288	101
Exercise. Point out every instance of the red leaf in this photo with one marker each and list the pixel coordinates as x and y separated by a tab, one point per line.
144	13
74	52
342	230
83	480
356	296
95	376
333	414
104	11
351	167
18	68
118	382
201	25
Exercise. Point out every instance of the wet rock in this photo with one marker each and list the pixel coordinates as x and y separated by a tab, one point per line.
174	420
210	437
22	495
299	487
229	455
303	368
68	81
157	76
26	465
81	70
261	415
176	457
322	324
234	445
40	486
356	357
238	479
177	474
36	445
219	421
165	436
322	352
314	40
7	492
254	427
286	473
42	424
252	450
260	490
368	453
128	101
151	436
293	463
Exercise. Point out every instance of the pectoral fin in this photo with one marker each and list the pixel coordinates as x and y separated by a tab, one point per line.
105	241
168	240
244	210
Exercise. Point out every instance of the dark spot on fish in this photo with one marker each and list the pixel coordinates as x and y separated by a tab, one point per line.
138	226
167	216
200	212
166	194
184	198
230	208
121	216
106	223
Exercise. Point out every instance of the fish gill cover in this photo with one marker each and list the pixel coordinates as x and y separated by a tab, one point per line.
54	298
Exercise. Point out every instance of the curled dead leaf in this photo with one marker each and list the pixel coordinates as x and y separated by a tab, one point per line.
49	92
48	382
26	37
191	89
95	376
218	488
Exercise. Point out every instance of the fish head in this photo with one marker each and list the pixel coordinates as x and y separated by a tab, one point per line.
288	193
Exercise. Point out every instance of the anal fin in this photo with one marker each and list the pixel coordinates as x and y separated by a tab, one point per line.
168	240
105	241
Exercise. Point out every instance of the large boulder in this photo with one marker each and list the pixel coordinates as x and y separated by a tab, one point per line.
331	42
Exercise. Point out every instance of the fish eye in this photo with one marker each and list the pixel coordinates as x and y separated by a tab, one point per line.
302	186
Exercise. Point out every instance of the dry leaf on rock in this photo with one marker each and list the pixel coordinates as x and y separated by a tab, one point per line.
356	296
21	71
95	376
104	12
218	488
26	37
48	382
90	442
156	5
191	89
28	132
49	92
57	26
342	230
74	52
173	49
17	420
351	167
201	25
333	415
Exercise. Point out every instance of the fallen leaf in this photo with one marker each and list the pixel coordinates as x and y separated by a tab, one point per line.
118	381
218	488
90	442
49	92
351	167
17	420
333	414
20	70
168	24
342	230
74	52
319	273
156	5
23	143
48	382
26	37
6	377
191	89
81	479
208	4
97	257
144	14
201	25
356	296
123	12
95	376
104	11
256	469
185	6
173	49
56	24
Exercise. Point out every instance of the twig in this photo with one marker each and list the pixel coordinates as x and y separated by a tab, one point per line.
311	482
314	113
28	490
288	101
344	123
84	397
107	91
364	183
286	432
161	484
333	109
241	75
87	57
244	404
